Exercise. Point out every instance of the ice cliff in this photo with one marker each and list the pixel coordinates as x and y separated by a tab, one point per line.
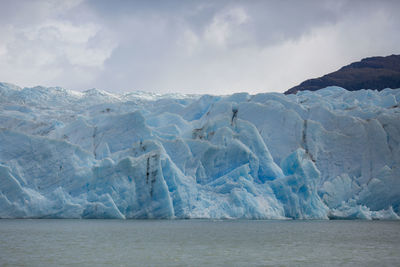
315	155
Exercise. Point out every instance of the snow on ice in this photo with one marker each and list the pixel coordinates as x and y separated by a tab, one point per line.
314	155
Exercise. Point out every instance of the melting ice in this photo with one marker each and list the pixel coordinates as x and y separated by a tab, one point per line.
314	155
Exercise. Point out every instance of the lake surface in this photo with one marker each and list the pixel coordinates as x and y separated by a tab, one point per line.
198	243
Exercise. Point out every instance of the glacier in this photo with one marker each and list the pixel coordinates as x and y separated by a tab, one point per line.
329	154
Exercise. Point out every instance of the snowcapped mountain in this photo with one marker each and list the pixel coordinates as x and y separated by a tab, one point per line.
332	153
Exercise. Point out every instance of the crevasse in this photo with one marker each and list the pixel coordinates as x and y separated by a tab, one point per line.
315	155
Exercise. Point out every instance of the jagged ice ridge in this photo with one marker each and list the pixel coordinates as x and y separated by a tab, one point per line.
315	155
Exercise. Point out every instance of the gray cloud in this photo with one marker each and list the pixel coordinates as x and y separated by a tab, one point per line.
189	46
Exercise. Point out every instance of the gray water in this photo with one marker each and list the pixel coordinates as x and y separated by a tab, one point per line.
198	243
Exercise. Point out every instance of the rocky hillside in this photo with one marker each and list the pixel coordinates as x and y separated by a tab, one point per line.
370	73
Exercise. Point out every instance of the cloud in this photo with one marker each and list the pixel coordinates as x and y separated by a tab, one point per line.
280	65
189	46
52	49
48	43
223	25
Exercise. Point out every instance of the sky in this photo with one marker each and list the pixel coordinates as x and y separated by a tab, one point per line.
213	47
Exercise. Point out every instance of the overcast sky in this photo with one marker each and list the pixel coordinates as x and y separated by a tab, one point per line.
216	47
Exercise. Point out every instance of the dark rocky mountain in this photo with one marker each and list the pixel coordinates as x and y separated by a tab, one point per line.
375	73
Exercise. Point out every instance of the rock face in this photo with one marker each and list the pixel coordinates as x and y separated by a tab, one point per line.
314	155
375	73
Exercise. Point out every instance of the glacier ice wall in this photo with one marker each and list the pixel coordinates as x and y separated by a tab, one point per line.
314	155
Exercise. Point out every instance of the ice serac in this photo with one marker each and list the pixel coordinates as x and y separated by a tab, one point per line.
298	189
315	155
